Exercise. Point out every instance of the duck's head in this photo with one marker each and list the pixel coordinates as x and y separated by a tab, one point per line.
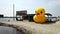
40	12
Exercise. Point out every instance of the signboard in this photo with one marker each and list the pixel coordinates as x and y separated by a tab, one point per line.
21	13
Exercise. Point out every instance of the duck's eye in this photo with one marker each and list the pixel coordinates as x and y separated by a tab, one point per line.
41	12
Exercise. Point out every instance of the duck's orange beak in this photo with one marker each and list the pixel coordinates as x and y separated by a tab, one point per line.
37	14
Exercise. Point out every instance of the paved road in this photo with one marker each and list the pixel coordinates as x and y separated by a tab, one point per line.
8	30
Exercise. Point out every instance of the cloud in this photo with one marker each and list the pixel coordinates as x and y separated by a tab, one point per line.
54	3
53	7
29	5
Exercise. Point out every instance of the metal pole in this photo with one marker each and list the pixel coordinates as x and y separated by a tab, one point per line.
13	10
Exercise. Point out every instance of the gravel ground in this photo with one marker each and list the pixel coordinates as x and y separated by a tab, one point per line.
33	28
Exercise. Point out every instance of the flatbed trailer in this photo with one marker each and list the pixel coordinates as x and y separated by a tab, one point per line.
29	17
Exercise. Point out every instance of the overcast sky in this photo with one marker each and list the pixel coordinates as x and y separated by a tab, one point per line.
50	6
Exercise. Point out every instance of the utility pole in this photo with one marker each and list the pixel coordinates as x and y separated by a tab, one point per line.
13	11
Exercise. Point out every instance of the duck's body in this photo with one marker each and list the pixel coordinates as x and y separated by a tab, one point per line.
39	19
39	16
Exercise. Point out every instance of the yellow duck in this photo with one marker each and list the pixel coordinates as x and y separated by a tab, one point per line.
39	16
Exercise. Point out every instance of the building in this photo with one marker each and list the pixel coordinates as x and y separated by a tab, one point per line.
21	14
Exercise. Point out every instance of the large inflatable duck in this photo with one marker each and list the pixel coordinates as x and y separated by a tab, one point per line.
39	16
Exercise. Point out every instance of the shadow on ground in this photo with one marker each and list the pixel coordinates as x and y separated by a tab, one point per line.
49	22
